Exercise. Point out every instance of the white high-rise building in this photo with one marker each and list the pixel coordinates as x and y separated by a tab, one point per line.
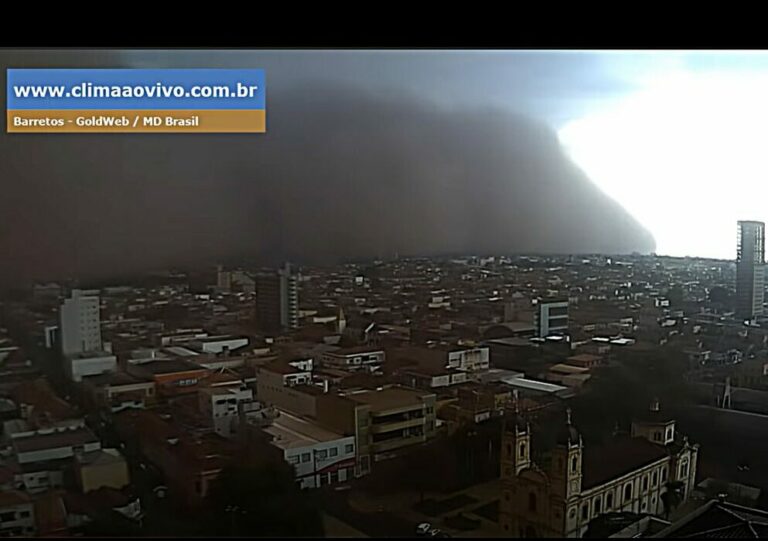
551	317
80	323
750	269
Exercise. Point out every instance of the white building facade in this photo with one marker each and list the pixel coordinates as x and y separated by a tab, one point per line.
80	323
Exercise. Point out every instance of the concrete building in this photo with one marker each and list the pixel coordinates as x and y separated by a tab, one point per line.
221	344
119	390
277	300
319	456
431	378
288	385
551	317
222	407
557	493
355	358
171	377
80	323
54	444
102	468
93	363
17	515
750	269
470	359
384	421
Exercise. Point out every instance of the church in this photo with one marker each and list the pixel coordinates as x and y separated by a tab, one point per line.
564	488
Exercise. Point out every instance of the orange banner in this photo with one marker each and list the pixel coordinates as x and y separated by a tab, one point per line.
137	121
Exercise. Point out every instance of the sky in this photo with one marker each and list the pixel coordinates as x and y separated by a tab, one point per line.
371	153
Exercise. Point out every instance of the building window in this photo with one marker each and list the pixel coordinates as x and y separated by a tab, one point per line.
684	469
574	463
333	451
645	482
572	513
585	511
305	457
597	506
322	454
627	492
654	478
532	502
522	450
663	474
609	501
293	459
349	448
657	436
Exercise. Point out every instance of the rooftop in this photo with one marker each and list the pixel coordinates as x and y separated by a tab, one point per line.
90	355
720	520
54	439
9	498
101	457
533	385
618	457
389	398
291	432
168	367
355	350
114	379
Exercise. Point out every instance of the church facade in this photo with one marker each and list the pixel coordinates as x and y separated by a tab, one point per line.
571	484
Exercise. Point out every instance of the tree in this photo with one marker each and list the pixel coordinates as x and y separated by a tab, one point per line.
720	295
261	500
672	497
675	296
430	467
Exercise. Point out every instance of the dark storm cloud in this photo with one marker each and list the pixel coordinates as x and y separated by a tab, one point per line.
344	170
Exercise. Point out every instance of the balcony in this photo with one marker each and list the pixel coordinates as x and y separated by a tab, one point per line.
378	428
397	443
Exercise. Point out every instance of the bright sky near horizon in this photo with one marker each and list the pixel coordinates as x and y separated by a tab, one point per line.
686	155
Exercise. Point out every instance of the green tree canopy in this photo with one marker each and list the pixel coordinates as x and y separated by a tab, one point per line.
261	500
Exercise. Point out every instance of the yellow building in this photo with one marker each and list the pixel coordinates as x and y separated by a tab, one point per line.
103	468
570	484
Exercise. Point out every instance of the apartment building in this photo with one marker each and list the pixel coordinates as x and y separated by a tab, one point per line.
383	421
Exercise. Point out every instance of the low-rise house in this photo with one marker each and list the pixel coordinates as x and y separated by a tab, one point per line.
119	390
368	358
102	468
171	377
